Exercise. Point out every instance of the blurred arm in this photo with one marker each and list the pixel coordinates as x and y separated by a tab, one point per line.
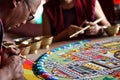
99	13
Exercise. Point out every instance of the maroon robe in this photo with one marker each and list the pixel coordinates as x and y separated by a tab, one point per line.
1	37
84	10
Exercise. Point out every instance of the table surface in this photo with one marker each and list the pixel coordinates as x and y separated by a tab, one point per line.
54	45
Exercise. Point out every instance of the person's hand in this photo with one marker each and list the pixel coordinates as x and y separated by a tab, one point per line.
14	65
10	48
9	51
93	29
66	33
73	29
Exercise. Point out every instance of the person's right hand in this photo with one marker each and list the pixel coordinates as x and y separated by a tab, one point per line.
14	65
94	29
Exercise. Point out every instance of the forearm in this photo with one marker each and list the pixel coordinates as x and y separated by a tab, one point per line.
5	74
99	13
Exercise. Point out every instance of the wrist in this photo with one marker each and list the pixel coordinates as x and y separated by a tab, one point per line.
61	36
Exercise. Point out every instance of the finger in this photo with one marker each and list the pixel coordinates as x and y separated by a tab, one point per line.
90	23
76	30
15	58
12	51
91	27
15	51
19	68
75	27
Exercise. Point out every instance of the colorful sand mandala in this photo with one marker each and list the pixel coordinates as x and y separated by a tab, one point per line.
28	73
82	60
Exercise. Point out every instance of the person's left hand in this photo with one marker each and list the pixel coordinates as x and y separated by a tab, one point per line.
93	29
10	48
9	51
12	51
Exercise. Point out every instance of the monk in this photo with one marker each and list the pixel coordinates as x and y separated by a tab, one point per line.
62	18
13	13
